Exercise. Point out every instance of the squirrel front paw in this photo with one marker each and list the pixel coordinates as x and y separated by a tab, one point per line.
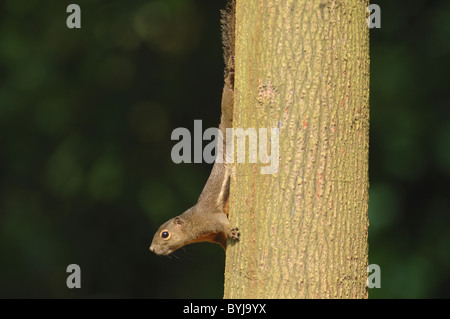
235	234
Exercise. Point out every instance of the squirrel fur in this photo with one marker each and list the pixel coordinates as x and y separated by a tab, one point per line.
208	219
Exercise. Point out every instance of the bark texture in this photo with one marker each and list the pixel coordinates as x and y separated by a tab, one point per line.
302	66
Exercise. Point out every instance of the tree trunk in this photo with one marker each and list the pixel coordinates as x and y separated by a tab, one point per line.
302	66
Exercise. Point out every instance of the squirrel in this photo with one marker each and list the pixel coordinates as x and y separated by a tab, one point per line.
208	219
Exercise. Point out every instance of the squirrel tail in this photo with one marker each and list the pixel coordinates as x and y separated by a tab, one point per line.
228	38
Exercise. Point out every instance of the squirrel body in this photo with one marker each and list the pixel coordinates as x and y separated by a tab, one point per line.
208	219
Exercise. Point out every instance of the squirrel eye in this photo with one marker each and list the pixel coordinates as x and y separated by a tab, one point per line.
165	234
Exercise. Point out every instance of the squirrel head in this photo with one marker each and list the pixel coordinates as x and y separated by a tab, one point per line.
169	237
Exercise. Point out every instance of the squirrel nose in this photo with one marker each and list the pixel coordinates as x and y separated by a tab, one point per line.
152	248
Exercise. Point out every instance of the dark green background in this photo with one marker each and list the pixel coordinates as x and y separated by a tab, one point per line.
85	170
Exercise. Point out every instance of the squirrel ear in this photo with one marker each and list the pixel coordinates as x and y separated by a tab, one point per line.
178	222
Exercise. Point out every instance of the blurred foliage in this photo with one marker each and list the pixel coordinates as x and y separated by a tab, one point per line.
85	123
409	205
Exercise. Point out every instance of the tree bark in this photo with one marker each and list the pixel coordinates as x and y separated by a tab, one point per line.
302	66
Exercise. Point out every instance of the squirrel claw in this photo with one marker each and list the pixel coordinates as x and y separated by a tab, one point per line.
235	234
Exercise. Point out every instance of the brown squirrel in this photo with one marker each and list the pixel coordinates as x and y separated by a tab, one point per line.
208	219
